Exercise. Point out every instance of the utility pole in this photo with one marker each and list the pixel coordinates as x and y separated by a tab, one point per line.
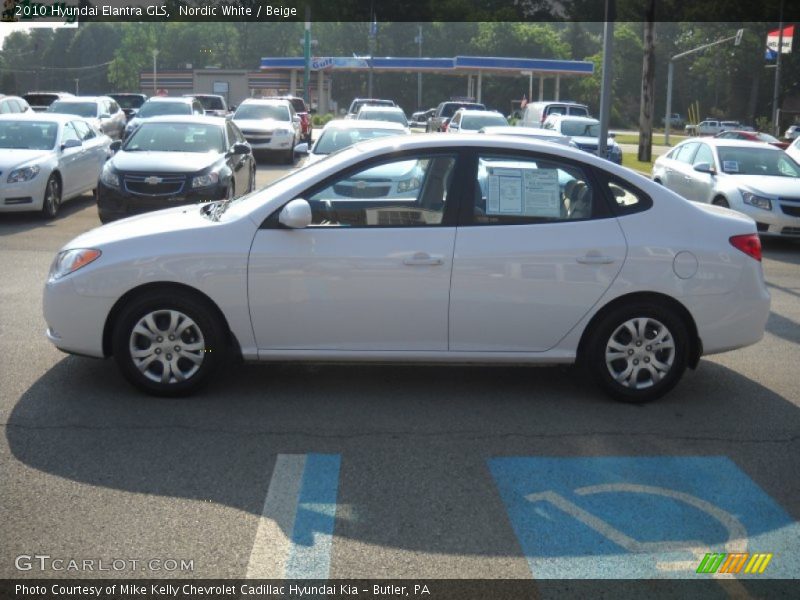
647	100
77	93
418	39
605	89
373	33
155	72
776	93
307	57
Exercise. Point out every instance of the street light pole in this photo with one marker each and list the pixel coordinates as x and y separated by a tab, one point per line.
605	90
155	72
77	93
670	72
776	91
307	57
419	73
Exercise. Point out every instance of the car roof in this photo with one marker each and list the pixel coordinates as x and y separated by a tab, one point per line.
180	99
363	124
367	108
714	141
197	119
76	99
512	130
573	118
266	101
42	116
203	96
477	111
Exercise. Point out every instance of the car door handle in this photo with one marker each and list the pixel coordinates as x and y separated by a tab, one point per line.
595	259
423	259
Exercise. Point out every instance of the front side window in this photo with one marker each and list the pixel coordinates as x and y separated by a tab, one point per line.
404	192
704	155
84	131
69	133
522	190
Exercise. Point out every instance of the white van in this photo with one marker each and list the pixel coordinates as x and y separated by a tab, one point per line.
535	113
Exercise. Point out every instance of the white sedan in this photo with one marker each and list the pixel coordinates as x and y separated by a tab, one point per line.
46	159
754	178
511	252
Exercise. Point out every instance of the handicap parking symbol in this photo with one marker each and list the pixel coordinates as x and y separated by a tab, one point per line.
641	517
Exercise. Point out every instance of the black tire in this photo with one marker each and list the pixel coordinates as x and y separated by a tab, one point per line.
646	381
289	157
720	201
52	198
201	342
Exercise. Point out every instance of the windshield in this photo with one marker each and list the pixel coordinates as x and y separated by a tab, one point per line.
357	105
28	135
262	111
477	121
154	109
128	101
332	140
580	128
393	116
757	161
81	109
211	102
176	137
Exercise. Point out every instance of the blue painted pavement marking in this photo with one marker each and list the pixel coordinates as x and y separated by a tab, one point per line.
640	517
312	536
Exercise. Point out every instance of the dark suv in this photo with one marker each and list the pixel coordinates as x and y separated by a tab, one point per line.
446	110
41	101
129	103
301	110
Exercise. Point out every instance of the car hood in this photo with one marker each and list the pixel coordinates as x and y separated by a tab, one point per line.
145	225
767	184
261	124
11	157
163	162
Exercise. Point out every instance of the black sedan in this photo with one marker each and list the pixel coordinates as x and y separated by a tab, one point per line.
174	160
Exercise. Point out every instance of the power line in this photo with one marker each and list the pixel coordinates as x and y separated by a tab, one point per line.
35	69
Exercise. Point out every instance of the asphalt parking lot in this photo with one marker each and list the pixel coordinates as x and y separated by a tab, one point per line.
390	471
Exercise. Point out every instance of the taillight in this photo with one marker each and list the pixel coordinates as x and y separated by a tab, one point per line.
749	243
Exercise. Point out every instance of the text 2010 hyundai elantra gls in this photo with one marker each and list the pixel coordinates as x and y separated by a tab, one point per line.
501	250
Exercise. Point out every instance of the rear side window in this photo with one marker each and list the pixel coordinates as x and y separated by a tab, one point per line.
556	110
578	111
627	199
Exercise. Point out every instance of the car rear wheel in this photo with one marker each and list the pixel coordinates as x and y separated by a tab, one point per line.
52	198
638	353
168	343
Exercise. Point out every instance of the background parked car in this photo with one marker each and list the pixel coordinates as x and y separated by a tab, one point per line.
269	126
158	106
102	111
213	104
584	133
342	133
675	121
39	101
751	177
792	132
536	113
301	110
393	114
420	118
446	110
46	159
752	136
10	105
357	103
175	160
129	103
472	121
794	149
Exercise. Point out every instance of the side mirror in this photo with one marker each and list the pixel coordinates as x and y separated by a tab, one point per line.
116	145
704	167
296	214
72	143
301	148
240	148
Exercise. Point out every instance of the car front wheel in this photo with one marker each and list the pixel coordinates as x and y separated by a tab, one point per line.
168	343
52	198
638	353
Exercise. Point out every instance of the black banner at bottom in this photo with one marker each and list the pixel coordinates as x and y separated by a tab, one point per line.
391	589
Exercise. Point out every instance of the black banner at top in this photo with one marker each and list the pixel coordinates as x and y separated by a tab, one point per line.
399	10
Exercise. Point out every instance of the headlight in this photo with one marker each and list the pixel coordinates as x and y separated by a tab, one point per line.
283	131
109	177
69	261
205	180
757	201
408	184
23	174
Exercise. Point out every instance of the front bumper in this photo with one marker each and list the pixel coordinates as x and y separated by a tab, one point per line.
118	203
269	141
23	196
782	221
75	322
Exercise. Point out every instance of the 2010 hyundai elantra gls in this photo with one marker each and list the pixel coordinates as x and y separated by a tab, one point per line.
506	251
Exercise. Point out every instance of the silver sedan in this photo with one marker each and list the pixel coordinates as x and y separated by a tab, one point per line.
751	177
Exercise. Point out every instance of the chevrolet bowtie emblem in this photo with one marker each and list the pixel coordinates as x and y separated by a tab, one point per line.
152	180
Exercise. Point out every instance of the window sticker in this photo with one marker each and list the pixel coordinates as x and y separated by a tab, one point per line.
730	166
523	192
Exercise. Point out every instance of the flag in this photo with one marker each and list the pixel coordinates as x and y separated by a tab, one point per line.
773	38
